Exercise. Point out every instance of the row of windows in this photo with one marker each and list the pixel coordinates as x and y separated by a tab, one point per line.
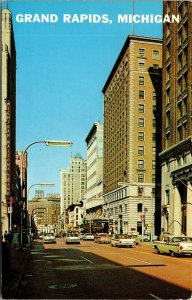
155	53
122	194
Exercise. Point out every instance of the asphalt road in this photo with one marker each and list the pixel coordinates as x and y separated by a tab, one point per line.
99	271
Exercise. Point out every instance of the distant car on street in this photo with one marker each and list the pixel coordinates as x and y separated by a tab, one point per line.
102	238
88	237
72	238
122	240
49	238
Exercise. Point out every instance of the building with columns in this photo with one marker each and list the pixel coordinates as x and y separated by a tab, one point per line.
8	120
176	156
132	122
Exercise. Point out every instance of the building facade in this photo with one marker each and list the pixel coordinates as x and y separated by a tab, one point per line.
45	212
73	183
176	121
94	196
132	116
8	119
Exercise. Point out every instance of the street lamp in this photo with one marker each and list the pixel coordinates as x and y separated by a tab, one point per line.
51	143
39	184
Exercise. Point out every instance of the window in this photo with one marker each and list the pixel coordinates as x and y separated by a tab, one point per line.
141	52
154	151
185	31
168	53
153	164
140	122
185	80
141	95
179	133
154	137
139	207
156	54
141	80
168	139
179	107
180	37
141	109
140	177
140	191
140	136
168	73
180	61
168	94
140	164
153	178
140	150
141	66
154	95
185	55
185	106
167	197
180	86
168	118
154	123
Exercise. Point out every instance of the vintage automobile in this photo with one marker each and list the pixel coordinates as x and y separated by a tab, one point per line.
72	238
173	245
49	238
122	240
102	238
88	237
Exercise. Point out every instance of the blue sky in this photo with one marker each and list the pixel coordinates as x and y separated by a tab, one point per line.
61	70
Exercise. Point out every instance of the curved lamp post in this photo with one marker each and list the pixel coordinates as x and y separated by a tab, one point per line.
50	143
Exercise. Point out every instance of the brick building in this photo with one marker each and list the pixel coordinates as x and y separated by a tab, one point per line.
8	119
132	117
176	122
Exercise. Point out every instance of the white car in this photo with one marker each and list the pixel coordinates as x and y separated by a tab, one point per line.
72	238
88	237
122	240
49	238
174	245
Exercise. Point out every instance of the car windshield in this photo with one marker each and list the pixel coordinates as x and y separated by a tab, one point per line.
182	239
73	234
121	236
49	234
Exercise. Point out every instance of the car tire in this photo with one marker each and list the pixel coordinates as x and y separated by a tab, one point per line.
172	253
157	250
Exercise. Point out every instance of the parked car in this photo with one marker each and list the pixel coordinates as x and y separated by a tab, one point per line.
88	237
173	245
135	235
122	240
72	238
49	238
41	235
102	238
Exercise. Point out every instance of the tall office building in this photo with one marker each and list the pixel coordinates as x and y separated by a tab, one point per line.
132	115
94	195
176	125
73	183
8	119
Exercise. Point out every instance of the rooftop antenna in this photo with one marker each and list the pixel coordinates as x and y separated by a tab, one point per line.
132	18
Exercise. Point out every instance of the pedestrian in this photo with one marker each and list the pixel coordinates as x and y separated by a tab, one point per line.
15	240
10	237
6	236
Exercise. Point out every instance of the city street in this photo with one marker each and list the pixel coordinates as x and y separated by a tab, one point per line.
99	271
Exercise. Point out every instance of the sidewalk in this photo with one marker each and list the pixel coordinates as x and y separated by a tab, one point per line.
13	266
